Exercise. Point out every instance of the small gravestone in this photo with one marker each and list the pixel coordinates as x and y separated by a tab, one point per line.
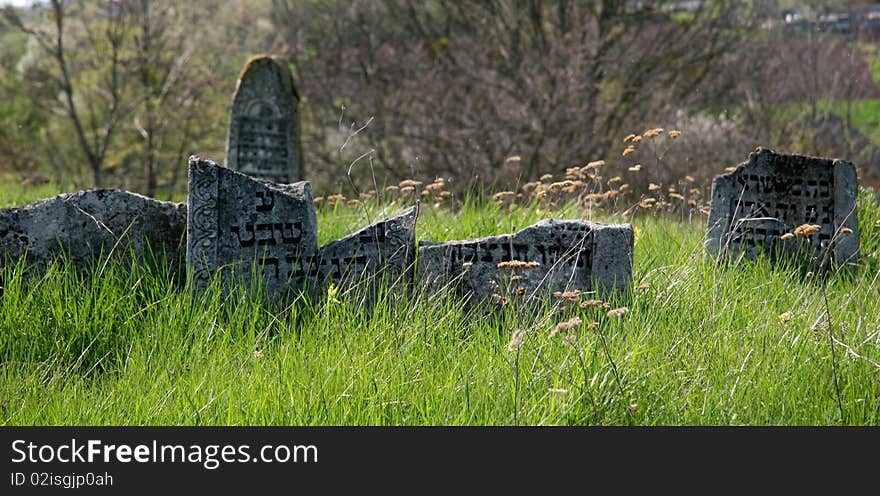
552	255
263	139
82	226
758	207
236	222
384	249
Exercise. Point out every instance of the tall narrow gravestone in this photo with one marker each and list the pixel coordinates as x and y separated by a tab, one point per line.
235	222
552	255
758	207
263	138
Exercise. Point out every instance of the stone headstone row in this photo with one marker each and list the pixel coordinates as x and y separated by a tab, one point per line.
233	224
774	204
237	222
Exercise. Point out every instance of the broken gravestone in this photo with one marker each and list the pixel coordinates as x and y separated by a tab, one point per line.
263	139
758	207
236	222
384	249
552	255
81	227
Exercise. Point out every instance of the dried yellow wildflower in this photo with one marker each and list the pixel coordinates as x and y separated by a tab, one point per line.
806	230
517	264
569	296
566	326
410	183
516	340
617	312
591	303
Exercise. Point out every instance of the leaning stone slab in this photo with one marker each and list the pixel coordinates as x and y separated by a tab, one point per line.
385	249
564	255
756	208
263	139
236	222
83	226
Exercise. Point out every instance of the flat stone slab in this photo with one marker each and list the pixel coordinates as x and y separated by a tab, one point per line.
555	255
756	208
263	139
385	249
236	222
81	227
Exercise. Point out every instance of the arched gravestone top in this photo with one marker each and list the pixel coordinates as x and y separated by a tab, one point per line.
263	139
756	207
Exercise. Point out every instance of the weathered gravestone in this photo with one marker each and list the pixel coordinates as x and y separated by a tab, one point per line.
80	227
236	222
263	139
384	249
554	255
757	208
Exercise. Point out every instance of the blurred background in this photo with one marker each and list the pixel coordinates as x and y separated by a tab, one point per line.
487	94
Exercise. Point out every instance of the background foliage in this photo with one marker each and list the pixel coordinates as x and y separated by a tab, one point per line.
492	93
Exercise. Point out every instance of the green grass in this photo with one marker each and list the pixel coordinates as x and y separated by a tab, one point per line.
13	194
872	54
705	344
864	113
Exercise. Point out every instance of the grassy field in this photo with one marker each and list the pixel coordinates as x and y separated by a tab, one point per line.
702	343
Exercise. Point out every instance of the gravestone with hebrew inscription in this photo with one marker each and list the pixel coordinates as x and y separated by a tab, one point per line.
385	249
86	227
552	255
757	208
237	223
263	139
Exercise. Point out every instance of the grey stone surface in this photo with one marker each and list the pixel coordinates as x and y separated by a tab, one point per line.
771	194
81	227
570	255
264	127
236	221
384	249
